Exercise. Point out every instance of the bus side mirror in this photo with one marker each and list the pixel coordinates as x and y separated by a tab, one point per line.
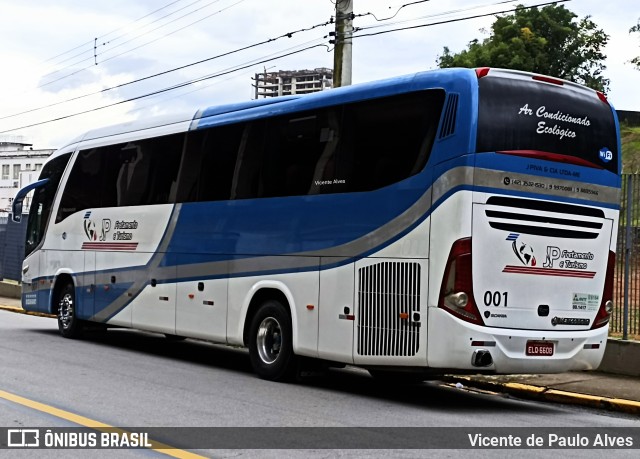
17	211
16	206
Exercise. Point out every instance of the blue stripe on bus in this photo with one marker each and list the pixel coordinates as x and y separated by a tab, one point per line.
280	226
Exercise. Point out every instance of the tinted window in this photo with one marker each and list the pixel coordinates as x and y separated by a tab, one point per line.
530	115
128	174
386	140
209	162
353	147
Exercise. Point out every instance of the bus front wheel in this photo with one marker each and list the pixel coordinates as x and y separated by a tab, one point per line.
68	323
270	343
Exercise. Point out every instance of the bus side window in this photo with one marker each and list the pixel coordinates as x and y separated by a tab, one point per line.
247	182
83	189
165	154
208	163
325	167
132	175
148	170
292	149
388	140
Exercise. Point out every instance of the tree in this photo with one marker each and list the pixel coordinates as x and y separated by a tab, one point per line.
636	29
547	41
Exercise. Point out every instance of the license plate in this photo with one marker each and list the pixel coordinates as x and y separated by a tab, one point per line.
540	348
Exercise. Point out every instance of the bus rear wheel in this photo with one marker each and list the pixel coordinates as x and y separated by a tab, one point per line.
270	343
68	323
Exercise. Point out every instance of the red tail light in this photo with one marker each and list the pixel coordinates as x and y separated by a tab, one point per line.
456	292
602	97
606	305
547	79
482	72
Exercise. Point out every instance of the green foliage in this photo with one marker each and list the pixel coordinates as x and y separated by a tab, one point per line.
636	29
630	137
547	41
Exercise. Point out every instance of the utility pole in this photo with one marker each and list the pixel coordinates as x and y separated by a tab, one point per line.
342	49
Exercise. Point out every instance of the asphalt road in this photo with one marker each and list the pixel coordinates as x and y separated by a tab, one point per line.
127	378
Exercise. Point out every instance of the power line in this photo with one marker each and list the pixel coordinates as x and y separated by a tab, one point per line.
234	69
113	31
160	91
396	13
175	69
139	46
95	42
444	13
287	35
448	21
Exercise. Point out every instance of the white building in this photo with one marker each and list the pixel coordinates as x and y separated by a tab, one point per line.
20	165
287	82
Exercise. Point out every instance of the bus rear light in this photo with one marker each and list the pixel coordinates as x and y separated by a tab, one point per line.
483	343
482	72
606	305
602	97
547	79
456	292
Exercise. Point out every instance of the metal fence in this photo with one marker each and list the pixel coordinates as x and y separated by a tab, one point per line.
11	248
626	312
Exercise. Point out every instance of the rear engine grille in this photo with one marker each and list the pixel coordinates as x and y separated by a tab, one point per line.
389	315
544	218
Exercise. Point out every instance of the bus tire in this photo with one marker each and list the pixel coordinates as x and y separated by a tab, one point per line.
271	344
68	323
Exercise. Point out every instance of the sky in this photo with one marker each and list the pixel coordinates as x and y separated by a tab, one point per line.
64	57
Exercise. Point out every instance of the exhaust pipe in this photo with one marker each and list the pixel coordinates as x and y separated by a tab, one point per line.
481	358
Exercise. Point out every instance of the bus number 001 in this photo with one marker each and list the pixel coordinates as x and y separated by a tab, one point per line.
495	298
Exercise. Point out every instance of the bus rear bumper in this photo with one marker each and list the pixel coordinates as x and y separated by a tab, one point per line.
455	344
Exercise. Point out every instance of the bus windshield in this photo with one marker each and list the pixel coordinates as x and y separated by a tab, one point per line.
43	201
516	114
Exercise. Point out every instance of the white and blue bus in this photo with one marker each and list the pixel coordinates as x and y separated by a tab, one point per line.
454	220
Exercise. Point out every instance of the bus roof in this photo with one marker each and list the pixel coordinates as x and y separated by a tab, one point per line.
453	79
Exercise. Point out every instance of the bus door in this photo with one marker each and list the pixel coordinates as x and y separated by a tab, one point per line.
88	283
201	307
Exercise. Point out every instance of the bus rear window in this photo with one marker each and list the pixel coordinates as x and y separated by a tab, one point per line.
528	115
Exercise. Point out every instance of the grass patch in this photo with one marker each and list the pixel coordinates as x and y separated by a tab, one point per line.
630	137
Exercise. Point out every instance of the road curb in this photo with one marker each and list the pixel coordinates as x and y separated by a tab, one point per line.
549	394
19	310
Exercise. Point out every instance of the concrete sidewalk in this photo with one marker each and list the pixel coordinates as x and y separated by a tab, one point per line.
593	389
608	390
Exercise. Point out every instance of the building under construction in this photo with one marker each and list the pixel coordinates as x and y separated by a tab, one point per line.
287	82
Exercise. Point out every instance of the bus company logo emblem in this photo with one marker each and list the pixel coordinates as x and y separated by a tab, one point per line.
605	155
90	229
100	240
523	251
